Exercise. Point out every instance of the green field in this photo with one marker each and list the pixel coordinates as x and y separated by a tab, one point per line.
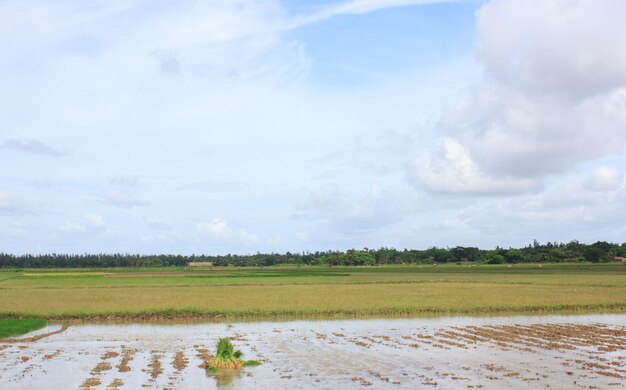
290	292
15	327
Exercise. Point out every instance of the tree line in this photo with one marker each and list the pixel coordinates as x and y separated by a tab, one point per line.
572	251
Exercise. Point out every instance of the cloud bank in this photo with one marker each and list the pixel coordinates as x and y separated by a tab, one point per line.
237	126
553	96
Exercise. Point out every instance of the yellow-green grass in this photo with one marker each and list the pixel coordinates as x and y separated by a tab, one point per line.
596	275
15	327
312	291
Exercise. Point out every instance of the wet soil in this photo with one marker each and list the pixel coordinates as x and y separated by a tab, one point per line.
577	352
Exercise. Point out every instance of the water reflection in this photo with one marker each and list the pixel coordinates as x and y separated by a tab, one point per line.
224	377
459	352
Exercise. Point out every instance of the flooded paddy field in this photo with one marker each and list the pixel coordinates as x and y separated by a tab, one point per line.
556	352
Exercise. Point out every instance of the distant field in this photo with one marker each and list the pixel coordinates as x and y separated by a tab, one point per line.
253	293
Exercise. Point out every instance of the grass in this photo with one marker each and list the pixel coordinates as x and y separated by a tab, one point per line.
10	327
288	292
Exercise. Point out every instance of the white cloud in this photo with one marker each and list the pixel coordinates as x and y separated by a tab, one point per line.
12	205
275	240
213	185
216	228
376	192
158	225
168	62
507	132
358	7
123	201
563	209
7	201
302	236
126	181
220	231
329	204
451	170
248	237
94	223
32	146
553	96
73	228
604	178
564	48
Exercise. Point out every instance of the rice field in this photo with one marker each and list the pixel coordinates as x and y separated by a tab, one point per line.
519	352
325	292
14	327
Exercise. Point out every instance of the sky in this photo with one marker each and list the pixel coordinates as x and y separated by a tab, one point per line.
237	126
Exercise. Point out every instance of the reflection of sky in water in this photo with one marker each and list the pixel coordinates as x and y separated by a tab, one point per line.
224	377
304	354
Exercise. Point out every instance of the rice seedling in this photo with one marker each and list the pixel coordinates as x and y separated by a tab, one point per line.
227	358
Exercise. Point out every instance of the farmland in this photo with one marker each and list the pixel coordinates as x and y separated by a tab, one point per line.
520	352
231	293
157	327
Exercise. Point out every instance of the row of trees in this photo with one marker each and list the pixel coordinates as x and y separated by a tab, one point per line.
573	251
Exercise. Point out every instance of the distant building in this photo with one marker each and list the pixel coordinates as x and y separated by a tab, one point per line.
200	264
619	259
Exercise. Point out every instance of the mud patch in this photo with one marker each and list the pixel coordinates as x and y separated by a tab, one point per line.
180	361
127	356
116	384
155	365
91	383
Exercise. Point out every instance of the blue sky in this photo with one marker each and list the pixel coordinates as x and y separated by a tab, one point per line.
364	48
244	126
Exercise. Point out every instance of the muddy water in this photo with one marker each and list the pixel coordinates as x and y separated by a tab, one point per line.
557	352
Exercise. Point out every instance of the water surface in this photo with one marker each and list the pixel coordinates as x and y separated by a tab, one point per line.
585	351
